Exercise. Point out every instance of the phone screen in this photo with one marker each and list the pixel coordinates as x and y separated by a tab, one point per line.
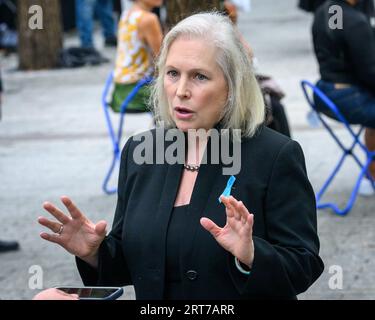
93	293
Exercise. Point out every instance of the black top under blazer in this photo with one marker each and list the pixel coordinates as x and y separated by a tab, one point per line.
272	184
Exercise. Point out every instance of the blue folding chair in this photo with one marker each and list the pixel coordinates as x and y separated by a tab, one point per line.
370	156
116	138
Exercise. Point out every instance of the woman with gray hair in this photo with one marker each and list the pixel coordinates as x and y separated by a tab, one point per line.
244	108
186	229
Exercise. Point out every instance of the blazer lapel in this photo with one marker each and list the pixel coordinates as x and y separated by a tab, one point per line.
206	180
158	252
204	186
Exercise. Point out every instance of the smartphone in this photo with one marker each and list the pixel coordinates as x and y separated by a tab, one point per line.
94	293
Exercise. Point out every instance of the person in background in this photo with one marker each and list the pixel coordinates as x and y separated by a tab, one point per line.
231	10
139	40
310	5
276	117
85	13
346	59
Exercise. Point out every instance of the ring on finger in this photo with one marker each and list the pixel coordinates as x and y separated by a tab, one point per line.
60	230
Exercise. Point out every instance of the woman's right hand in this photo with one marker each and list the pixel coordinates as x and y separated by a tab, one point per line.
76	234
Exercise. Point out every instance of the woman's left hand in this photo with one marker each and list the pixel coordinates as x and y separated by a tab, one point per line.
237	234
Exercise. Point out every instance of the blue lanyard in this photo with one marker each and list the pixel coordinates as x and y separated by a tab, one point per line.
227	190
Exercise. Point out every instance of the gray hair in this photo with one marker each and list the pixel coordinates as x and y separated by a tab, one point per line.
244	108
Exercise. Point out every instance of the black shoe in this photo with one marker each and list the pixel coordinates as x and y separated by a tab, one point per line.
77	57
93	57
111	42
8	246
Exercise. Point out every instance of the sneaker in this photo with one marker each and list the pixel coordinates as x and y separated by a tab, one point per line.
8	246
365	188
313	119
111	42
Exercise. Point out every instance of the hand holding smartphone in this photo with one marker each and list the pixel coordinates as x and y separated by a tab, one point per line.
94	293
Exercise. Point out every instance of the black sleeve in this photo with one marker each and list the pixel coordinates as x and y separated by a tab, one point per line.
112	267
1	84
360	41
287	262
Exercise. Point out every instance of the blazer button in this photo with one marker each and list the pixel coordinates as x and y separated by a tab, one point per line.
191	274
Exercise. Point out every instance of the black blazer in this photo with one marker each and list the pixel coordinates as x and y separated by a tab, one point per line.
272	184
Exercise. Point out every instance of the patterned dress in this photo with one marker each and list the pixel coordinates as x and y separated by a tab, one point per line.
133	62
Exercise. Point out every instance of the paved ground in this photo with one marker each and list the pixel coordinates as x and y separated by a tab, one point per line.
53	141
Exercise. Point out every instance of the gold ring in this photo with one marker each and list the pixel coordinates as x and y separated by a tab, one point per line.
60	230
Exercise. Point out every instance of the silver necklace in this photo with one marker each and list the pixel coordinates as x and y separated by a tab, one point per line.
191	167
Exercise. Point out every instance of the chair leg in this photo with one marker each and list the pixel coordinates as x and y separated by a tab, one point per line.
116	138
329	180
354	193
105	187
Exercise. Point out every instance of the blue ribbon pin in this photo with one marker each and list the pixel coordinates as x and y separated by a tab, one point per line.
228	188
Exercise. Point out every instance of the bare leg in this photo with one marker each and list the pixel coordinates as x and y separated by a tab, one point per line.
370	144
